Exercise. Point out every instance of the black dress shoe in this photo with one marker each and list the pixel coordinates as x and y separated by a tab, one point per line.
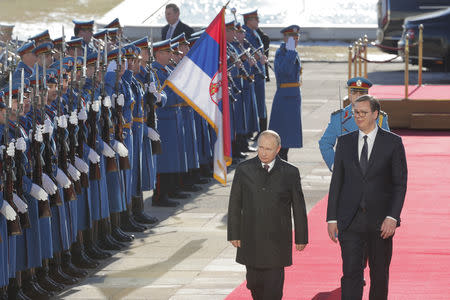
107	244
128	224
203	181
191	188
73	271
178	195
49	284
121	236
17	294
57	274
165	203
143	217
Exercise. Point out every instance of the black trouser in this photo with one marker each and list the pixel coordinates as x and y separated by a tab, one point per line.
353	242
283	154
265	284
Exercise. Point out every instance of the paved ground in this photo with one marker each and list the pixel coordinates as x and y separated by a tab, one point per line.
186	256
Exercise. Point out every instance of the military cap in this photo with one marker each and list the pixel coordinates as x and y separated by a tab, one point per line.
180	39
75	43
142	43
26	48
92	58
85	25
101	34
231	25
79	62
293	30
68	63
44	36
52	76
57	43
162	46
43	48
112	32
250	14
359	83
114	24
114	54
193	39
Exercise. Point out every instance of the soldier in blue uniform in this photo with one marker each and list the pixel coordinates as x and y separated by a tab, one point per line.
28	60
84	30
285	117
40	38
251	22
342	121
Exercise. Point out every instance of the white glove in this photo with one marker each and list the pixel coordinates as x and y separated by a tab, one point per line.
93	156
73	119
120	100
81	165
119	148
107	102
62	121
107	151
152	87
73	172
62	179
158	97
95	106
48	184
48	127
290	45
82	115
10	150
7	211
152	134
21	145
22	207
38	192
38	135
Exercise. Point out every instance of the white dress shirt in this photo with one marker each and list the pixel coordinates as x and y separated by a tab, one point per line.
370	141
271	164
171	29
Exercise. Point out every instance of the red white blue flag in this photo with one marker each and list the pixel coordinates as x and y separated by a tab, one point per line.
201	80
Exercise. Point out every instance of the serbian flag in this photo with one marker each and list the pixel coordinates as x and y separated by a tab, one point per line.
201	80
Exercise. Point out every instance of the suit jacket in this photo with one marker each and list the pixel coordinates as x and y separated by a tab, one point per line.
259	213
181	27
383	187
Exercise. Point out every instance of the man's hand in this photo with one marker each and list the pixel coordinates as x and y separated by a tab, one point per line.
236	243
388	228
333	231
300	247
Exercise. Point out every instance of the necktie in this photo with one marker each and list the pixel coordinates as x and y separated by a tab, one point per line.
266	167
364	161
169	32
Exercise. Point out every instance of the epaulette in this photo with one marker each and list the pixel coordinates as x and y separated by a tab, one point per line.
383	113
336	112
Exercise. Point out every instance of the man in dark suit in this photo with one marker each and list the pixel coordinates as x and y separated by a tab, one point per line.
366	196
175	26
264	191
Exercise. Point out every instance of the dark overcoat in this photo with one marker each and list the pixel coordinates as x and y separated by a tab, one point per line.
259	213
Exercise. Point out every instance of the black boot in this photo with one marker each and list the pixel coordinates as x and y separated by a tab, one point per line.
138	211
3	293
117	232
45	281
57	274
91	247
197	177
79	256
106	241
128	224
15	291
31	287
69	268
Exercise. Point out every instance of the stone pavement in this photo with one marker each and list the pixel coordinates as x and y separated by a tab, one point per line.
186	255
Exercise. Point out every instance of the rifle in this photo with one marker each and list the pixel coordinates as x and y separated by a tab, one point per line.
244	54
84	179
106	124
36	146
150	101
94	169
256	52
124	162
63	147
14	227
72	128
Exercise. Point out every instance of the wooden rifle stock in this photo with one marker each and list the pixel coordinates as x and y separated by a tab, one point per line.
18	185
94	169
14	227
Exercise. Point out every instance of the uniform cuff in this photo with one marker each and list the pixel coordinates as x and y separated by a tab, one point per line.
389	217
332	221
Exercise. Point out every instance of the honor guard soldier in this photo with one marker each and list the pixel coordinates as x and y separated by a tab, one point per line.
115	24
44	52
84	30
74	45
285	118
253	40
343	122
28	60
43	37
